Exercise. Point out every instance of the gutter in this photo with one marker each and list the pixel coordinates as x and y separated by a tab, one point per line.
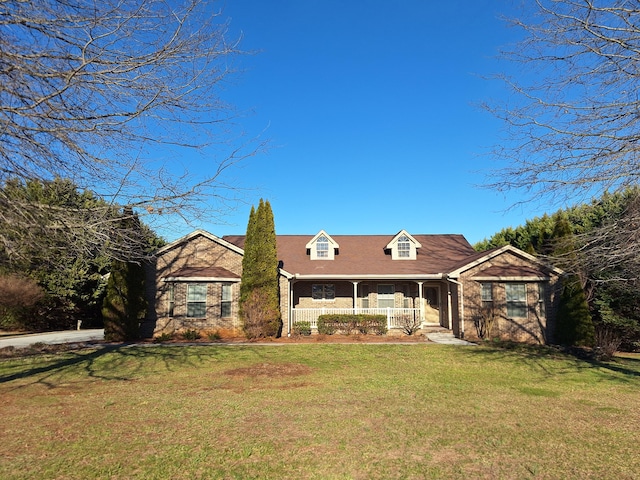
404	276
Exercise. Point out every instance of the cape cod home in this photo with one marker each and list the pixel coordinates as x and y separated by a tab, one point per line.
434	281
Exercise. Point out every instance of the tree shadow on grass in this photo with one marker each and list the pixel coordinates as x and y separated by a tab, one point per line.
538	356
108	362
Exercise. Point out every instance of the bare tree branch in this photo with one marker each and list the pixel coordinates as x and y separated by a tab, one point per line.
88	89
572	121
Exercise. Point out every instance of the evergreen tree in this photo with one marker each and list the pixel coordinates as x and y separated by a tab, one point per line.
72	275
125	304
574	325
259	292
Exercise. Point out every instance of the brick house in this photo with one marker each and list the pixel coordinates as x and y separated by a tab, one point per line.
434	281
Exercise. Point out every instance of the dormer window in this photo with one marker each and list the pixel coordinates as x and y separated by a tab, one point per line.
322	247
403	247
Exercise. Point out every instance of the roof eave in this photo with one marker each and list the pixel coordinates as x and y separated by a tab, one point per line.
387	276
201	279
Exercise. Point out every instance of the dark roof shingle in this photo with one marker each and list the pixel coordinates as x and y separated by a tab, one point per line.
366	255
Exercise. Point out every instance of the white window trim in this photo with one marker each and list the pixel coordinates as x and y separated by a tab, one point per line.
518	302
206	295
226	287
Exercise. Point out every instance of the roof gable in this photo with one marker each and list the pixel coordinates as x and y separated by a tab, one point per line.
482	257
197	233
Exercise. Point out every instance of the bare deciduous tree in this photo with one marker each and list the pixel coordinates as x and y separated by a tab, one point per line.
89	89
573	129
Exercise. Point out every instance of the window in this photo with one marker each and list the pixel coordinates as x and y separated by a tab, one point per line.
323	291
516	300
322	247
196	300
172	299
364	296
487	294
404	247
542	310
225	300
386	296
406	303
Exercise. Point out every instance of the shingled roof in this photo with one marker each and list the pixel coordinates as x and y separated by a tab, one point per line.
365	255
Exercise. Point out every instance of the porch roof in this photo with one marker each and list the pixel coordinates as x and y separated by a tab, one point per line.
367	255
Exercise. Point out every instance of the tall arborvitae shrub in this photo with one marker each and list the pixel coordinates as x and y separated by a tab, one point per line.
259	293
574	325
125	305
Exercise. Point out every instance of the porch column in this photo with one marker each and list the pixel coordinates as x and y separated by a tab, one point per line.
290	309
355	297
421	300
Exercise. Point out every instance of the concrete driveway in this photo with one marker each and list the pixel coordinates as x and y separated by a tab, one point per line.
69	336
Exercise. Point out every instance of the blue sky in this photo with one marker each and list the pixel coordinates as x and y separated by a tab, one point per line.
371	111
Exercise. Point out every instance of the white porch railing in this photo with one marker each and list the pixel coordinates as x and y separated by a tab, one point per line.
396	317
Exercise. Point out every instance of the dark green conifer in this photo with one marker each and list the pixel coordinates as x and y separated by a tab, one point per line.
125	304
259	292
574	325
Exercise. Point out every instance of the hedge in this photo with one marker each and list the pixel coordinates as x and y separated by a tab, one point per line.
351	323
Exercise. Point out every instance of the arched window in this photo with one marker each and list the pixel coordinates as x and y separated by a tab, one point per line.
404	247
322	247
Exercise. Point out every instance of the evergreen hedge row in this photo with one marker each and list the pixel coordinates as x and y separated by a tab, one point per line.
350	323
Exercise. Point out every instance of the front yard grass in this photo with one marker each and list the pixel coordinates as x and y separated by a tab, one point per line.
316	411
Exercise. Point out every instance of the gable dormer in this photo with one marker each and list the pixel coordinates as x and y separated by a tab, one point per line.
322	247
403	246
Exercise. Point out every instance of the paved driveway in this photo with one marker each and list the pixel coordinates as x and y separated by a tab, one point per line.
69	336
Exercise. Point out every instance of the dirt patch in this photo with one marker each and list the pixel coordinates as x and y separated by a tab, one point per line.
270	370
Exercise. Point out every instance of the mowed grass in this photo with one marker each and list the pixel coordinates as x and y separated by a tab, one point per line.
318	412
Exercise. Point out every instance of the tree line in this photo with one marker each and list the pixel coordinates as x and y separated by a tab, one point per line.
48	282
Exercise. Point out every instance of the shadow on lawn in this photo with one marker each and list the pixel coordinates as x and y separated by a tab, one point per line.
108	362
538	356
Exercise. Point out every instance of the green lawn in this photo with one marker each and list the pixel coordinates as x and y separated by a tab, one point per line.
318	411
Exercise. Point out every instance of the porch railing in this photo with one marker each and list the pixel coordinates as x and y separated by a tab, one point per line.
396	317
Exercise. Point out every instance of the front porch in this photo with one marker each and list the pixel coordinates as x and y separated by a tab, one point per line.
397	318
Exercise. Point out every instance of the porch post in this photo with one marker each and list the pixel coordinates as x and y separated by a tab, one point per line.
421	300
355	297
291	319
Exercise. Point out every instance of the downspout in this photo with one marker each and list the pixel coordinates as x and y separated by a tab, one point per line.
461	300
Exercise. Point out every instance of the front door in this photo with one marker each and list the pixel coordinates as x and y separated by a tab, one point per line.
432	305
